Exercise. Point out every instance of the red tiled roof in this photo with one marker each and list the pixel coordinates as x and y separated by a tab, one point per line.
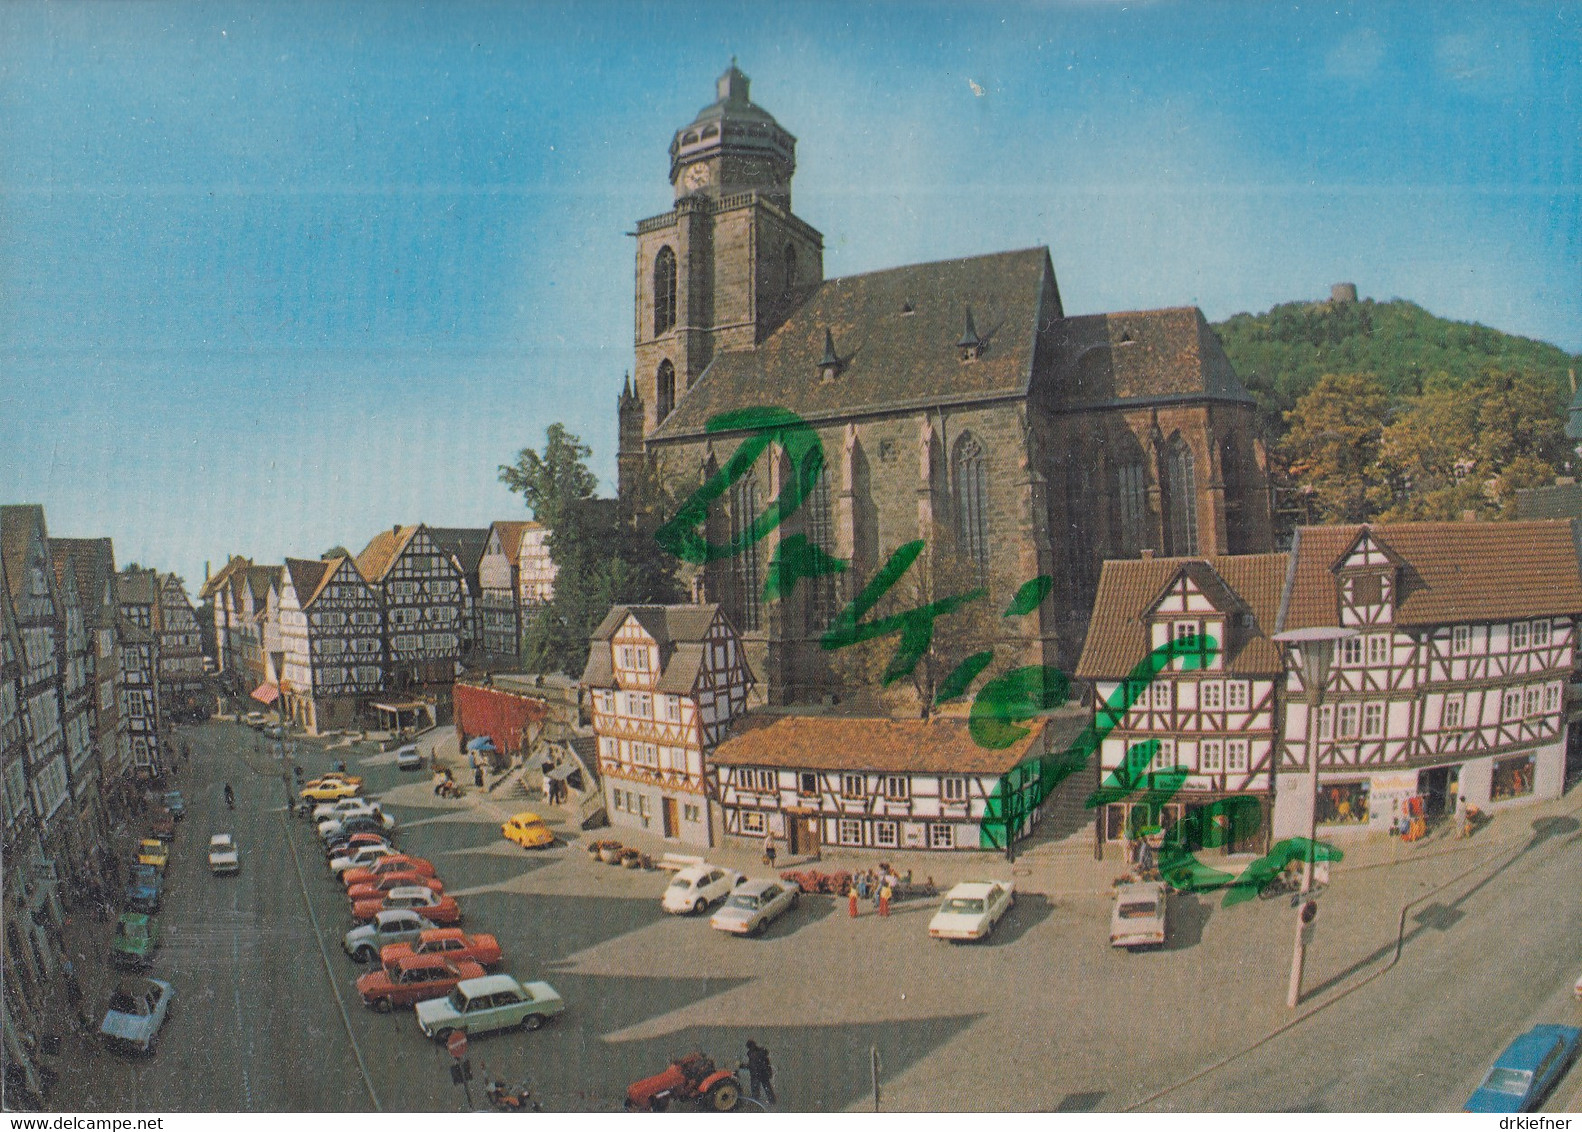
842	743
1118	637
1451	571
511	532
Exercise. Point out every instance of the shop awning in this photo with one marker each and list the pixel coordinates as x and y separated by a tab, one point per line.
266	693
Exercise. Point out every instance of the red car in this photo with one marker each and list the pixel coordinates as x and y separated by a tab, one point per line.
396	863
338	846
403	878
413	979
425	901
450	943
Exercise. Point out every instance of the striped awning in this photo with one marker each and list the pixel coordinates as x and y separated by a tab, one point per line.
266	693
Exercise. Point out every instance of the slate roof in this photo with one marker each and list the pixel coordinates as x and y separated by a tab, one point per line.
1118	637
92	560
261	578
136	587
1453	571
466	543
1152	356
382	550
309	577
814	742
889	354
680	631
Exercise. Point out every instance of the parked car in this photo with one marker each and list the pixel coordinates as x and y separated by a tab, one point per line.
442	910
384	866
409	758
494	1002
971	909
398	925
153	851
1140	916
695	887
346	844
527	830
369	889
327	790
753	905
1527	1069
162	825
223	855
360	856
376	822
176	804
452	943
143	889
345	807
137	1009
411	979
338	776
135	941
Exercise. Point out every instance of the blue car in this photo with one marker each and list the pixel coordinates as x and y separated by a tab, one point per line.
176	804
143	889
1526	1071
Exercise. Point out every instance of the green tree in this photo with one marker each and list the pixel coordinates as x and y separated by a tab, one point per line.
550	482
1332	448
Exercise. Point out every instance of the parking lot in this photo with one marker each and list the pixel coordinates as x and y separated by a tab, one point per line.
1043	1015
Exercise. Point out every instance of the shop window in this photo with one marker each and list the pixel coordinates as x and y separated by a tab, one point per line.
1236	695
1343	803
1211	757
1372	721
1236	755
849	832
1211	695
941	836
1512	778
884	834
954	789
752	822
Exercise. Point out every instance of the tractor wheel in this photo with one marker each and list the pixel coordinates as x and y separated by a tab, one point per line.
723	1096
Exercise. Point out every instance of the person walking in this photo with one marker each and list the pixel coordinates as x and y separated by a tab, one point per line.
760	1074
885	892
769	849
851	901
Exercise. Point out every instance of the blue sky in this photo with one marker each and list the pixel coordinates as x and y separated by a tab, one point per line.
275	275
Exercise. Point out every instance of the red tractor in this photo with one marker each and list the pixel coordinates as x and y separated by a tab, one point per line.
691	1078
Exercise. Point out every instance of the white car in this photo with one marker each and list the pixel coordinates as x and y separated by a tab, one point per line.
409	758
1140	915
342	807
136	1011
364	856
753	904
971	909
493	1002
695	887
399	925
223	855
330	828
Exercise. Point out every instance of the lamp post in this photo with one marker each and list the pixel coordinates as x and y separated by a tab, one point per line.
1317	648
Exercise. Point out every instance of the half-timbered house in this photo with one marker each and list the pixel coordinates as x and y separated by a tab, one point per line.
331	631
1211	715
812	781
535	568
424	596
74	656
182	687
94	561
499	581
665	682
221	591
1453	687
136	593
466	546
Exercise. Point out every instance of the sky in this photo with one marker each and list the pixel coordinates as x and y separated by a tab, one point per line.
274	276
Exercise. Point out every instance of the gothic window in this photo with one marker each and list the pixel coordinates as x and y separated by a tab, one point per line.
664	290
1182	508
667	388
820	530
747	586
1133	492
972	501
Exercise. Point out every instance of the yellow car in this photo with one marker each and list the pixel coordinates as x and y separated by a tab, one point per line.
338	776
527	830
328	790
152	851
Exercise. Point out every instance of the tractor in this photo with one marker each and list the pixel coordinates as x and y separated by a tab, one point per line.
692	1078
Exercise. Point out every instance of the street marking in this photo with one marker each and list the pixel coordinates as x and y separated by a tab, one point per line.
236	997
318	938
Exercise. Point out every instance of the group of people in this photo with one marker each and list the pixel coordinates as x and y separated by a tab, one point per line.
879	885
445	785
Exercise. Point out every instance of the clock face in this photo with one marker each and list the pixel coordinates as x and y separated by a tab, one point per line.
696	176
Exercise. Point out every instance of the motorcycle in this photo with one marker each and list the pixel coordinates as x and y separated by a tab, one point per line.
504	1099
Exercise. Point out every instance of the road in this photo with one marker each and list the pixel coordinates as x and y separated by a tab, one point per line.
1042	1016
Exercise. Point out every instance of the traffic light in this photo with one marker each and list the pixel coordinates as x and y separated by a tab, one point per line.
1310	911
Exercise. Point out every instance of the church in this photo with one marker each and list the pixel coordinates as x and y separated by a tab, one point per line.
955	402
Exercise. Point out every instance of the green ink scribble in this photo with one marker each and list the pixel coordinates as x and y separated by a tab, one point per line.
916	626
682	535
1030	595
1024	788
962	676
796	558
1261	872
1021	693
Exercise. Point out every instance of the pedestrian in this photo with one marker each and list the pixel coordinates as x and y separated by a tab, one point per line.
851	903
477	776
769	849
885	891
760	1074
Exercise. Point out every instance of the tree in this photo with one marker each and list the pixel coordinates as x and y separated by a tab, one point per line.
335	552
549	482
1333	447
1468	448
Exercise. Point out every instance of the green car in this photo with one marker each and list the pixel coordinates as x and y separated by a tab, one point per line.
136	940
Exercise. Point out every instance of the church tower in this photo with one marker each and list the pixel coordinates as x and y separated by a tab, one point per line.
729	261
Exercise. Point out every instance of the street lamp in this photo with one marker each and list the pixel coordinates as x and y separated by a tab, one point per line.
1317	648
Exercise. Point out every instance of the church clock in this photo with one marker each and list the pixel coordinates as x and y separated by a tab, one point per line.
696	176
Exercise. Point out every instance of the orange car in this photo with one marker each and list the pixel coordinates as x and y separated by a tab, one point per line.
451	943
395	863
412	979
426	902
404	878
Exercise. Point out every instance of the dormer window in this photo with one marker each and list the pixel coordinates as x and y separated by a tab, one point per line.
970	346
829	366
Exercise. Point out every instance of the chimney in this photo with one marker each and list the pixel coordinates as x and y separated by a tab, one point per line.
1148	552
1343	293
395	529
